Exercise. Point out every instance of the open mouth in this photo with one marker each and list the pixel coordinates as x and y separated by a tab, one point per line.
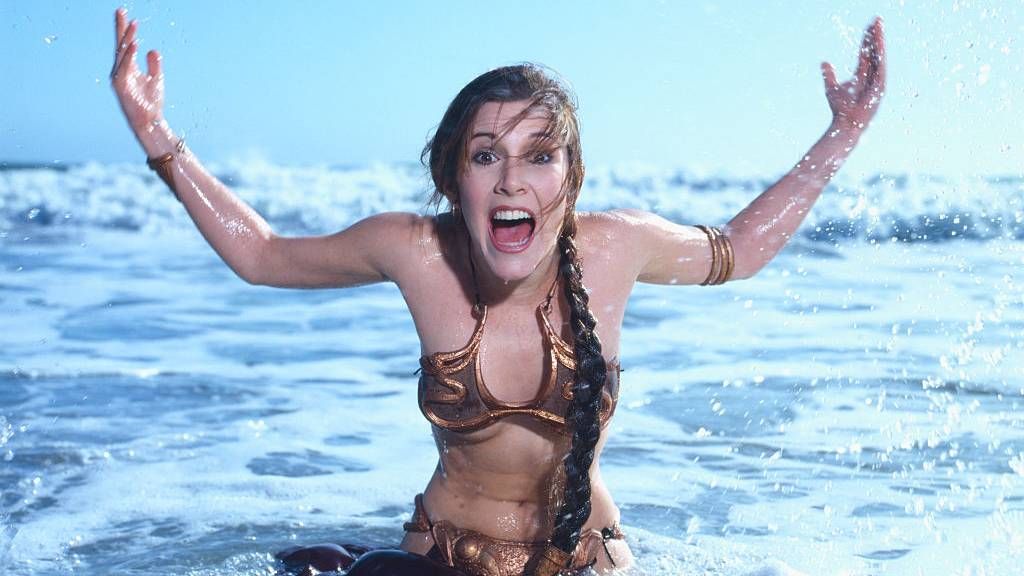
511	229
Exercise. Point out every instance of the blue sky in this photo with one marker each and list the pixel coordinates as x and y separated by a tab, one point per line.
710	86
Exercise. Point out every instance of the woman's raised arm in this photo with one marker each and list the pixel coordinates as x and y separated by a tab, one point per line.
362	254
674	254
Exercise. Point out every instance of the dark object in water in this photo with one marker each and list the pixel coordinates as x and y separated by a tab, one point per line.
355	560
321	557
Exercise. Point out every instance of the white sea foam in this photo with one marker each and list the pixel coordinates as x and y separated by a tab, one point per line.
321	199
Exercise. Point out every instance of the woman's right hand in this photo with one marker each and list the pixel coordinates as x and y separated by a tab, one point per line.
141	95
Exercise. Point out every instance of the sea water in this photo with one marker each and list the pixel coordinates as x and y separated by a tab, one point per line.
856	408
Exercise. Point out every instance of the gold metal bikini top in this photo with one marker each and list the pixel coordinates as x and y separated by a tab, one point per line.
453	395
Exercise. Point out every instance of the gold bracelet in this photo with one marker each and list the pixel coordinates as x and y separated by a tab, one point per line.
730	259
162	166
717	257
723	260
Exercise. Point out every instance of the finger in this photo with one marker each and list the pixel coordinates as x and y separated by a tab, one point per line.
880	66
119	53
121	31
127	60
153	64
864	56
126	38
119	16
875	79
829	74
129	35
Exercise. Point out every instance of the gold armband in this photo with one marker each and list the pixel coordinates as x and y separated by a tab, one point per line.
162	166
722	259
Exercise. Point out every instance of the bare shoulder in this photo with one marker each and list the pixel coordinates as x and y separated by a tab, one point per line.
396	225
645	245
402	241
617	233
378	248
388	236
608	240
620	224
626	220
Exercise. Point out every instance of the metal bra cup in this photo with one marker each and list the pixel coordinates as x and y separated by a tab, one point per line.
454	396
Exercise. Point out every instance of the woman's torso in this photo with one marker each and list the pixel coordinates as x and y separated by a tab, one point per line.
503	479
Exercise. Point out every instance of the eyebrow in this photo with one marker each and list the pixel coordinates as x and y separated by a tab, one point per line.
493	136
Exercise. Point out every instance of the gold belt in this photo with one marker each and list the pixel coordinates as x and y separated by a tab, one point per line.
481	555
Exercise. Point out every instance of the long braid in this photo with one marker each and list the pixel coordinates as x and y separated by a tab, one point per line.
584	410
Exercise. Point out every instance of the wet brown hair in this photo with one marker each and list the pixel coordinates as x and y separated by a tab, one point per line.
446	155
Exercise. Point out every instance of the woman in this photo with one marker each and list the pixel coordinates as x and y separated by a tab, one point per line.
519	377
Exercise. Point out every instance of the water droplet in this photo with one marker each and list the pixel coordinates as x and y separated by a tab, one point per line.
50	39
983	74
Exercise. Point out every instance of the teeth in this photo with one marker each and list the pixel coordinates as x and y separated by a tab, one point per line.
511	215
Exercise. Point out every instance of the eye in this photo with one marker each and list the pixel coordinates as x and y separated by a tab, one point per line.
485	157
542	158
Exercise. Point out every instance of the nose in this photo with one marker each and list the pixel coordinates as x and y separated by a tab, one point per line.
513	178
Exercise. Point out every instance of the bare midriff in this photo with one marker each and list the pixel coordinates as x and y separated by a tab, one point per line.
505	481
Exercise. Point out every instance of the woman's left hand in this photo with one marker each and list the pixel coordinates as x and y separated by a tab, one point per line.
855	101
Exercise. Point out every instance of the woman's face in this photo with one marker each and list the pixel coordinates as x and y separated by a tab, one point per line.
510	192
